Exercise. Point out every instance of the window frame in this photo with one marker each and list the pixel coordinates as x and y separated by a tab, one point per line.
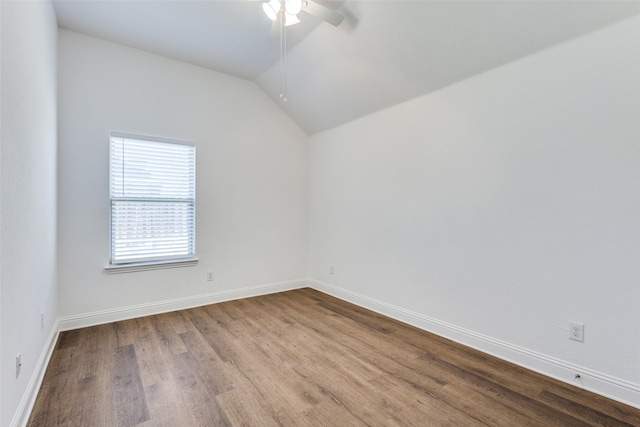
158	262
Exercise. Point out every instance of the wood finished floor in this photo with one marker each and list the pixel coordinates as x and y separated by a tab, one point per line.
298	358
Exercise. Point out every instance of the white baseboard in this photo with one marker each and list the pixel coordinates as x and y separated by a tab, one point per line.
117	314
605	385
21	416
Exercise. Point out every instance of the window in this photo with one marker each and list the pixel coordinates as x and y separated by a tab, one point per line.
152	190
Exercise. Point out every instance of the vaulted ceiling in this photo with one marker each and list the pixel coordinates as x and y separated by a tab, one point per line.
384	53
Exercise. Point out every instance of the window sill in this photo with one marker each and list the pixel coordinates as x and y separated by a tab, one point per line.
153	265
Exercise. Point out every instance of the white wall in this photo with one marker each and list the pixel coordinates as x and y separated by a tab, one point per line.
27	194
251	174
506	205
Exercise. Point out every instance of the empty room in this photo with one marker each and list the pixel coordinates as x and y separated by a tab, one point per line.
319	213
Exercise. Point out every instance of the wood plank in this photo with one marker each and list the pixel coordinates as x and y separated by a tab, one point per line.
127	397
151	360
68	339
585	413
261	365
247	406
91	363
50	410
127	332
167	327
166	406
220	377
195	392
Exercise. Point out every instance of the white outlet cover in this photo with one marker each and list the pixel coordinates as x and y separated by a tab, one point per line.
576	331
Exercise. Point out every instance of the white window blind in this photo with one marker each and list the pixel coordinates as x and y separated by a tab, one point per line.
152	186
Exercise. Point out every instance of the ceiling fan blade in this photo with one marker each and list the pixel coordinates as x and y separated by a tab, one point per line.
324	13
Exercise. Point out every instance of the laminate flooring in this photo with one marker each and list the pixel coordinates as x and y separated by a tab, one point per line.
297	358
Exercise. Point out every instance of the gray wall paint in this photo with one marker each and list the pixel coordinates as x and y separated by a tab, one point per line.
506	204
27	191
251	174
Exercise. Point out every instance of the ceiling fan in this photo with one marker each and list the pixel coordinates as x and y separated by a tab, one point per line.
286	11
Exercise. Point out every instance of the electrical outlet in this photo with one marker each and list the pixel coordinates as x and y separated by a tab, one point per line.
42	321
576	331
18	364
210	276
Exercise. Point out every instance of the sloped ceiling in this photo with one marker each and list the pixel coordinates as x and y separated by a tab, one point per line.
384	53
